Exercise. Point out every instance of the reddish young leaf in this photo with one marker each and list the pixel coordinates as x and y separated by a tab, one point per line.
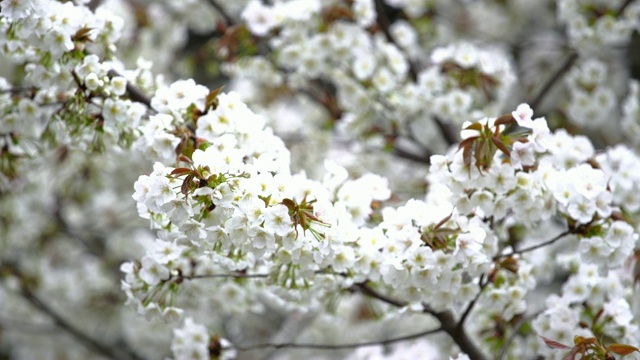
180	171
505	120
500	145
185	159
467	155
554	344
466	142
443	221
184	189
479	153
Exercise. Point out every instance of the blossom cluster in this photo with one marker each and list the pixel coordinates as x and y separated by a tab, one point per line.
380	94
598	23
235	207
592	101
291	207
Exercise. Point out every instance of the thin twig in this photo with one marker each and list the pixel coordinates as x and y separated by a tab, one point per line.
482	284
366	290
553	80
227	19
17	89
448	131
340	346
447	321
535	247
422	159
516	329
230	275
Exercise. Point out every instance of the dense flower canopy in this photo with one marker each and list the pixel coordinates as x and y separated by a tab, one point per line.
357	179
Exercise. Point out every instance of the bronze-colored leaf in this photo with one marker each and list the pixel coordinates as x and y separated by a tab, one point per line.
510	264
467	142
500	145
211	101
184	189
82	35
443	221
554	344
181	171
467	154
507	119
475	126
185	159
290	204
622	349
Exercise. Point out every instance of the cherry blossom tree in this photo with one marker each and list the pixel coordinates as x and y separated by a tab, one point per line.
354	179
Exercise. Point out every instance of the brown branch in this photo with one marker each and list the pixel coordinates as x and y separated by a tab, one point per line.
61	323
18	89
449	131
339	346
422	159
516	329
459	336
370	292
135	94
216	276
566	66
83	338
383	23
227	18
448	322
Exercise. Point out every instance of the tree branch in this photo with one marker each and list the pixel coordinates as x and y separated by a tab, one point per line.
446	318
339	346
135	94
450	132
227	18
61	323
231	275
83	338
17	89
483	284
422	159
516	329
457	333
383	23
544	91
